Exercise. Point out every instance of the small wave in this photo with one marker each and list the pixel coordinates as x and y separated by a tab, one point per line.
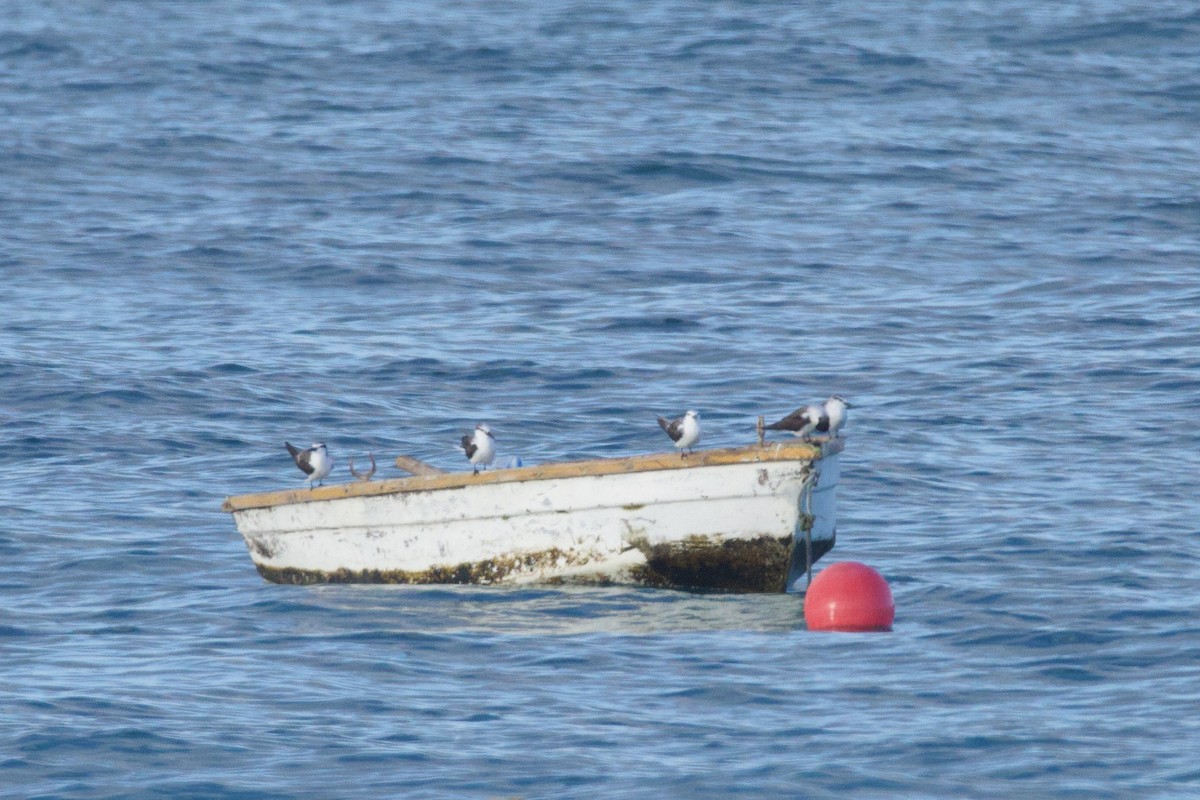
875	58
449	161
244	71
661	324
117	397
231	368
714	44
578	380
125	741
208	254
494	370
1123	33
19	45
1070	673
108	86
681	171
1176	386
427	367
1121	322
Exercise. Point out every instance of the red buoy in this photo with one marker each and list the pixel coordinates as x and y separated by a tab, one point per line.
849	596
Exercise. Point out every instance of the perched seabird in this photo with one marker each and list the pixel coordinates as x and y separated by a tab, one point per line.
313	461
800	422
684	432
366	474
480	446
833	415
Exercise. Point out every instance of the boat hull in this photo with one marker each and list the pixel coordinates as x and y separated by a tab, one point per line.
744	520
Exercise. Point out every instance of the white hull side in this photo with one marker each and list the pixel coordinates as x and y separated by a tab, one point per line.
589	528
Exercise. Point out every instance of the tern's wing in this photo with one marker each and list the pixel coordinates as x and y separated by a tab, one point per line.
468	445
792	422
674	427
301	457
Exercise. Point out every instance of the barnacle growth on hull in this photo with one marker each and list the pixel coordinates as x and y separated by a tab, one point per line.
698	563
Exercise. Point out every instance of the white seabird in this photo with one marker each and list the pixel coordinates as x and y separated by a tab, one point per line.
313	461
800	422
684	432
833	415
480	446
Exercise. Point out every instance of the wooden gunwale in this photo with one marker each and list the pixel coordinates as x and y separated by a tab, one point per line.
773	451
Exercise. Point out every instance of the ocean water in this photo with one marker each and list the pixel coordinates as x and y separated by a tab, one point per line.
224	224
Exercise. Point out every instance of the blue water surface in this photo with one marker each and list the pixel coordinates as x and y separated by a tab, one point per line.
225	224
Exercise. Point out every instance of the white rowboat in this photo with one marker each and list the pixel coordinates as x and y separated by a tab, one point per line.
749	519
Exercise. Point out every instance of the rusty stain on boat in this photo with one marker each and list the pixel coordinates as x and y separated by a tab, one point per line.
759	564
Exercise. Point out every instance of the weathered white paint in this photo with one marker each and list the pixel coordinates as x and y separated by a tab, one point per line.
597	526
